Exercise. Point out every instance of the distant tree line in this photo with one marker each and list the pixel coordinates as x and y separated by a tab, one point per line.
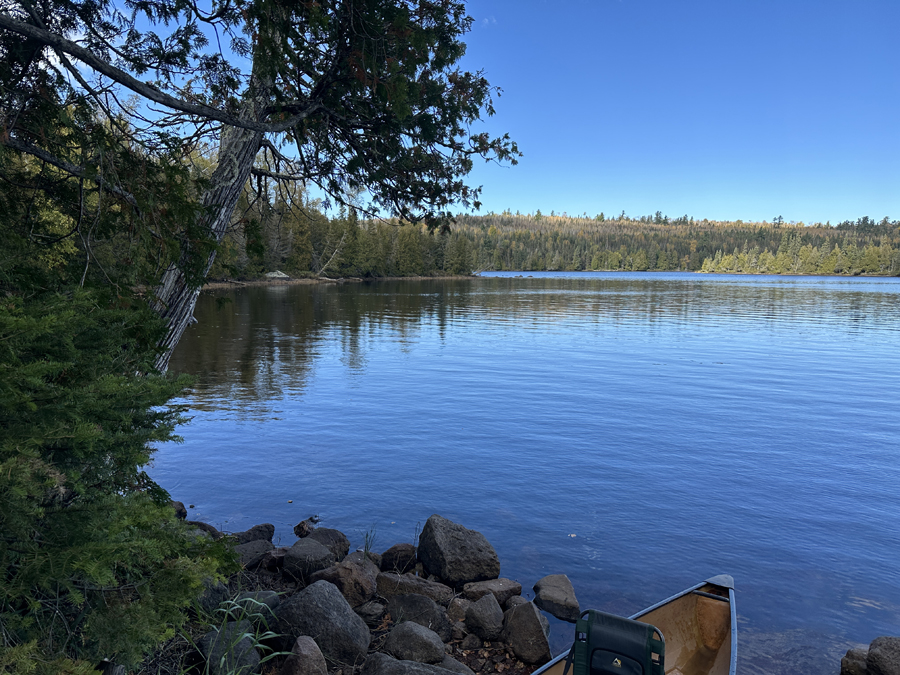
289	232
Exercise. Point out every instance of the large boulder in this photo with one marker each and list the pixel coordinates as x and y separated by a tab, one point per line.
321	611
251	554
457	555
555	595
410	641
502	589
305	659
355	581
421	610
229	650
382	664
526	634
391	584
333	540
854	662
263	532
884	656
399	558
305	558
485	618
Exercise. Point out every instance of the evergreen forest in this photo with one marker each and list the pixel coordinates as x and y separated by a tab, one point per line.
301	241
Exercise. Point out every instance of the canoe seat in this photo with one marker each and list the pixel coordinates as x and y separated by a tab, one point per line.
606	644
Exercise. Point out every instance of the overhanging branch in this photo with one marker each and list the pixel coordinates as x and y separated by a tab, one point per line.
142	88
68	167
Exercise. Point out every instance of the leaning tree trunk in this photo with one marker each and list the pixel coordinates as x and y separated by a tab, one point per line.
175	298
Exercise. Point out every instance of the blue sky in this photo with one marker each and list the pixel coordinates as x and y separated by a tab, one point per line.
721	109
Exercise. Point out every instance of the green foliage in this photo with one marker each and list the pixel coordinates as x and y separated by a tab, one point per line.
93	563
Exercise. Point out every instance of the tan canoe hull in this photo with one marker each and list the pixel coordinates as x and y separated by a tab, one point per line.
700	628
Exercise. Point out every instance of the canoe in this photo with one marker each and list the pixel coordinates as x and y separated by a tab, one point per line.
699	626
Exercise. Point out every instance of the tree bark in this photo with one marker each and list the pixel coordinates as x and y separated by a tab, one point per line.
174	299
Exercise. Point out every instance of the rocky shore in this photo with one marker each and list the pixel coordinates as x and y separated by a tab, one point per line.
316	608
421	609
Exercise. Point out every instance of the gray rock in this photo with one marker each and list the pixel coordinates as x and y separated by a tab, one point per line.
382	664
456	610
204	527
545	624
230	650
370	612
359	556
502	589
263	532
458	631
555	595
485	618
854	662
333	540
452	664
180	511
251	554
421	610
400	558
524	631
355	581
410	641
514	601
391	584
471	641
277	274
273	561
456	554
305	527
884	656
321	611
305	558
305	659
214	594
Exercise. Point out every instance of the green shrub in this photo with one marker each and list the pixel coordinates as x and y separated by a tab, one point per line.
94	563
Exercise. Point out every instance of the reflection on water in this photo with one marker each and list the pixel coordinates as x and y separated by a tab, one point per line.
678	425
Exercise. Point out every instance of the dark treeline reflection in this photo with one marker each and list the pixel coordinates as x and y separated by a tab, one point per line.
260	343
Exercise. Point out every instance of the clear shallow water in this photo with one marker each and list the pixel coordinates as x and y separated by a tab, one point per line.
678	425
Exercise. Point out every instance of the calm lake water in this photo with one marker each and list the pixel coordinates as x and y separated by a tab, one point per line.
638	432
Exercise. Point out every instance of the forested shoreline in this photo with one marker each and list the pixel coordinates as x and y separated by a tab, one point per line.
304	242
